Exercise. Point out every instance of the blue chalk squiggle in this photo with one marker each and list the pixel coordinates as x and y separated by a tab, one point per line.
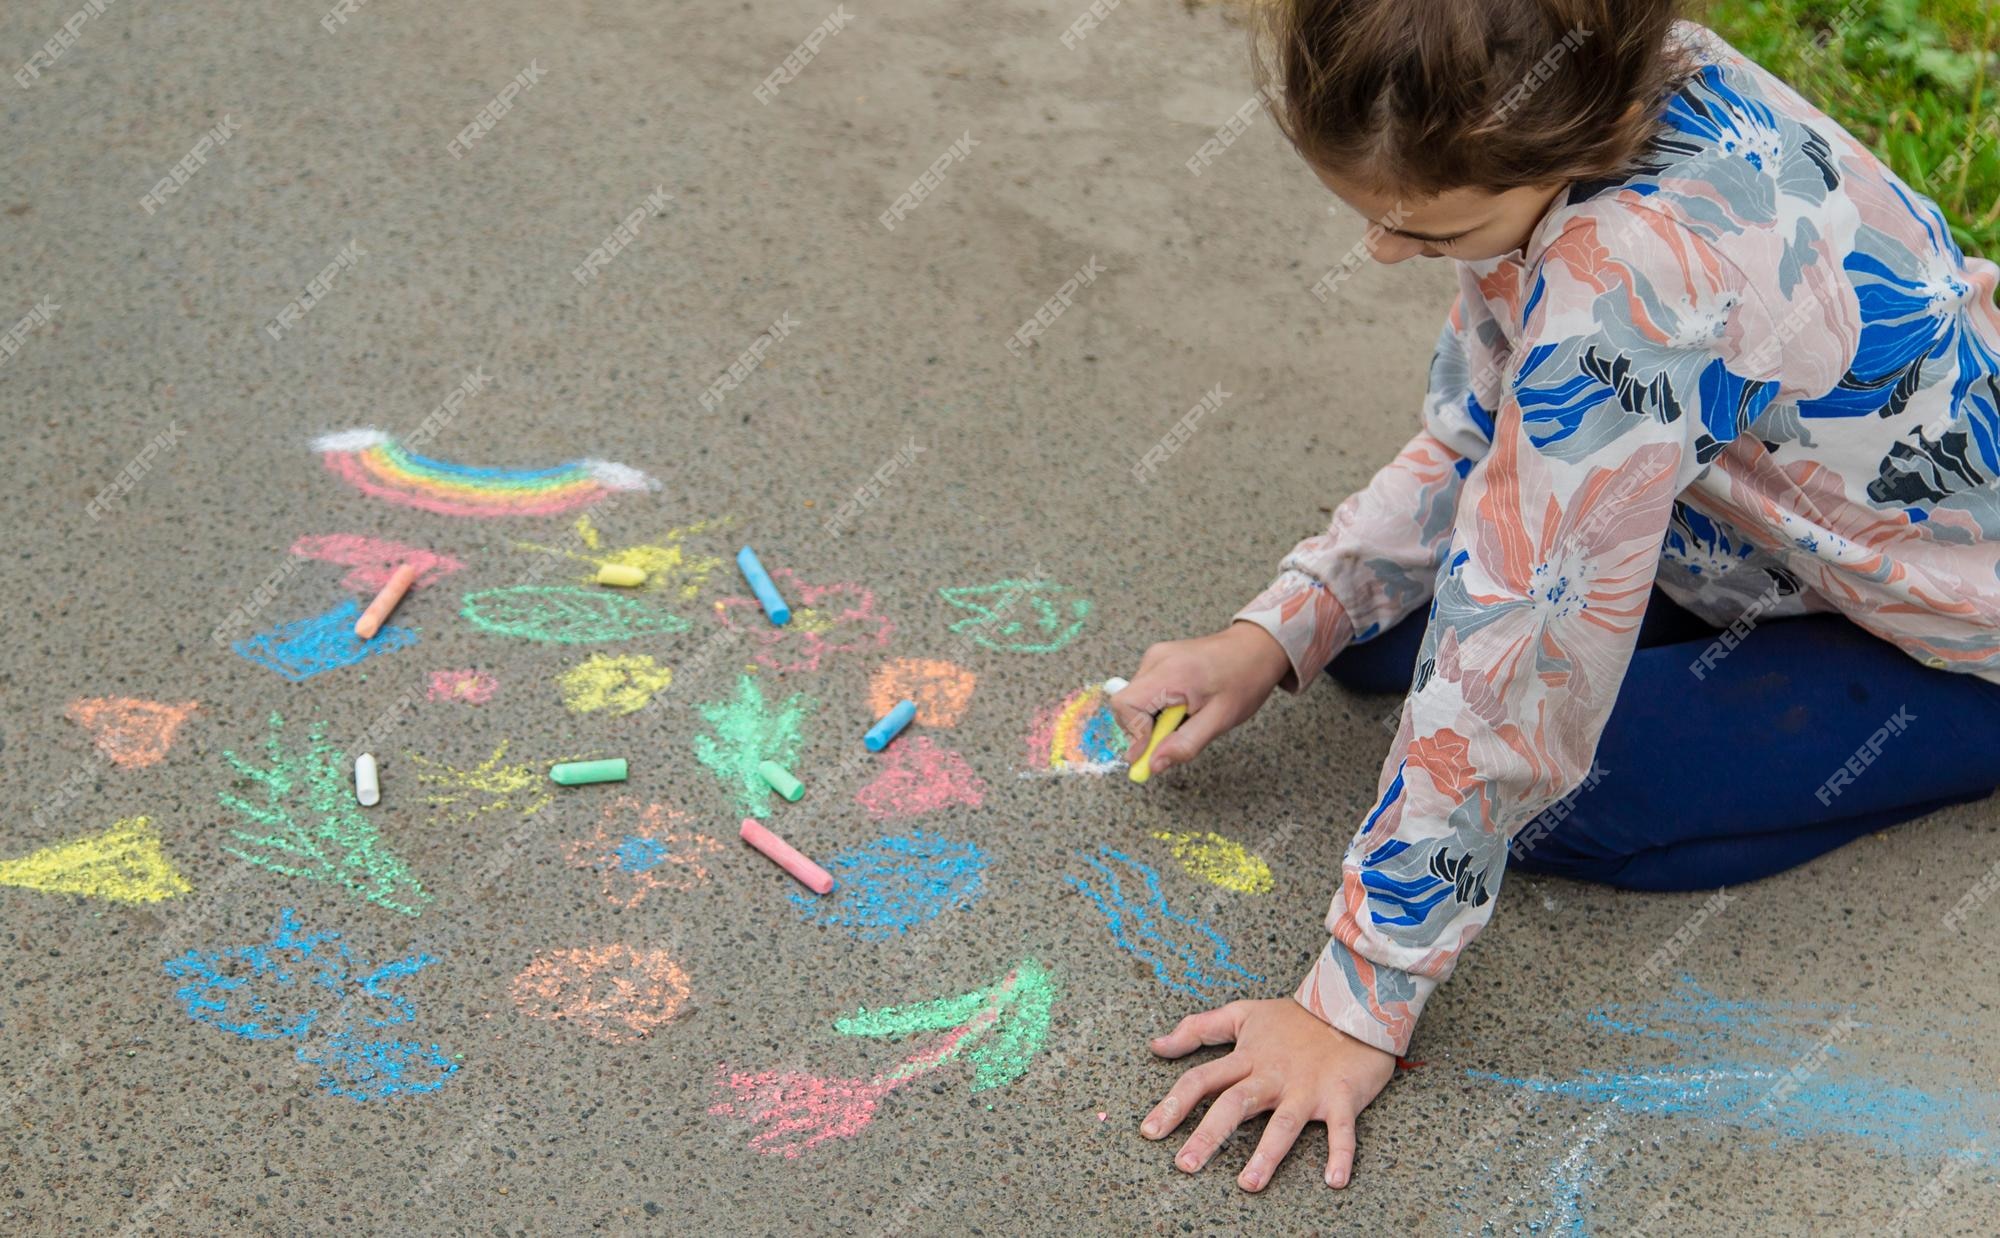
1139	926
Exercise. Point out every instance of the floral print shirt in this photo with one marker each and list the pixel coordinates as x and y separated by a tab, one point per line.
1755	371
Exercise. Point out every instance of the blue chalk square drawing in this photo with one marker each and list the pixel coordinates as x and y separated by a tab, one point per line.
305	647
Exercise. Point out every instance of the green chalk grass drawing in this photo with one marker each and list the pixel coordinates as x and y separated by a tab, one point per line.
312	828
749	732
1019	616
563	615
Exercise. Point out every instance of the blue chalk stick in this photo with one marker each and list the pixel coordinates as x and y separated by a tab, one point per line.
890	726
760	584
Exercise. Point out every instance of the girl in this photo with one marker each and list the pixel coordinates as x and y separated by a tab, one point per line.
1712	365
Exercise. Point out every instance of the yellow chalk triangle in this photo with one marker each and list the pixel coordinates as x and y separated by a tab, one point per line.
123	864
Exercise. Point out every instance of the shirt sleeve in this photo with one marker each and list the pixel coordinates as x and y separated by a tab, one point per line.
1376	560
1620	393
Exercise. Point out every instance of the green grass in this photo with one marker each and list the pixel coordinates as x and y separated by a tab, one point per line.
1919	82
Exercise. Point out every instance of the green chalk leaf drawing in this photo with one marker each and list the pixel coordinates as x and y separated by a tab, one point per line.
749	732
1004	1023
1019	616
563	615
312	826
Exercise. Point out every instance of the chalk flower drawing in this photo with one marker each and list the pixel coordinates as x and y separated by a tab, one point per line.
489	786
613	684
918	777
1220	862
275	991
748	732
897	883
940	689
560	615
306	824
131	732
668	565
638	850
123	864
998	1029
1186	955
370	561
1019	616
826	619
467	687
617	993
304	648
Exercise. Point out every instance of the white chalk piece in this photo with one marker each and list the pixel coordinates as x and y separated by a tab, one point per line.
1114	685
367	788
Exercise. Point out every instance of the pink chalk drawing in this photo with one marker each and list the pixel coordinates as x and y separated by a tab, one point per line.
826	619
999	1029
638	849
467	687
920	777
371	560
617	993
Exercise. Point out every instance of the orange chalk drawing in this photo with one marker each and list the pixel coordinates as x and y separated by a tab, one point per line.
940	689
124	864
637	850
616	993
131	732
667	565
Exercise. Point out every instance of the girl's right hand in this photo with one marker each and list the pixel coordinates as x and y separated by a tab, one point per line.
1222	679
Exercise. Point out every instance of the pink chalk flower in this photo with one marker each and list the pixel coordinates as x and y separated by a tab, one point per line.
920	777
467	687
826	619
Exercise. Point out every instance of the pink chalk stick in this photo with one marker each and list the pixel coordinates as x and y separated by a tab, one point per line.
378	610
786	856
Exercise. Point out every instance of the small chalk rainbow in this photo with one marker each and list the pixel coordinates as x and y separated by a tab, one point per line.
377	465
1077	735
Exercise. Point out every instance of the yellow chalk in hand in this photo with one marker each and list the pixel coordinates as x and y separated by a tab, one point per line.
1163	726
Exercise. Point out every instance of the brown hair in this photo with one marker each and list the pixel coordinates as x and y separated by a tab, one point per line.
1425	96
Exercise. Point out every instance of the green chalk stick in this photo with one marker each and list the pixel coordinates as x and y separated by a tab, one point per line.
781	780
577	773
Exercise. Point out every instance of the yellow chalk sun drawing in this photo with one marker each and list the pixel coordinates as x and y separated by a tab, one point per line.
1220	862
668	565
458	793
620	684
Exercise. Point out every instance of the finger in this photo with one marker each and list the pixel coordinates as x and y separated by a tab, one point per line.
1137	721
1280	1133
1339	1147
1210	1027
1191	738
1230	1110
1201	1082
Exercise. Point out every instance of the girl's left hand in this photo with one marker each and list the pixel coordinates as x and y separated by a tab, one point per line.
1286	1062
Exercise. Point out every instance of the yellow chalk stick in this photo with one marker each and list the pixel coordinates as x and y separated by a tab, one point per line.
1163	726
625	577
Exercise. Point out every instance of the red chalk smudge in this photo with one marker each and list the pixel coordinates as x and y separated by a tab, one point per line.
920	777
371	560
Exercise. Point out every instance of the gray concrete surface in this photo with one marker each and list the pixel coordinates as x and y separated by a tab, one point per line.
124	1115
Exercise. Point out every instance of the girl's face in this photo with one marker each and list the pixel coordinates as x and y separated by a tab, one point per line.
1467	224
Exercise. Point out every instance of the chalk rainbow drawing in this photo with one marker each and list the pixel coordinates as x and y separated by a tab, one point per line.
940	689
1219	861
370	561
747	733
894	884
307	647
668	565
465	794
560	615
998	1029
378	466
919	777
123	864
306	823
1186	954
640	849
467	687
274	990
1077	735
1055	614
617	993
617	685
131	733
826	619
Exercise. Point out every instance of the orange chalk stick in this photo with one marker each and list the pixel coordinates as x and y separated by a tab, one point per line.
378	610
786	856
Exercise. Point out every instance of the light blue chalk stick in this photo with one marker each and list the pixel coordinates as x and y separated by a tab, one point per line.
890	726
760	584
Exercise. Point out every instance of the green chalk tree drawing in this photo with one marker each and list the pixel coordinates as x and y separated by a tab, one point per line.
1004	1023
312	826
748	732
1019	616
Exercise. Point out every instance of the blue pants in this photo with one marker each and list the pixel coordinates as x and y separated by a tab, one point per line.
1750	768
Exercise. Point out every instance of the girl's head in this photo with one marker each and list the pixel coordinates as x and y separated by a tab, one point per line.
1454	123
